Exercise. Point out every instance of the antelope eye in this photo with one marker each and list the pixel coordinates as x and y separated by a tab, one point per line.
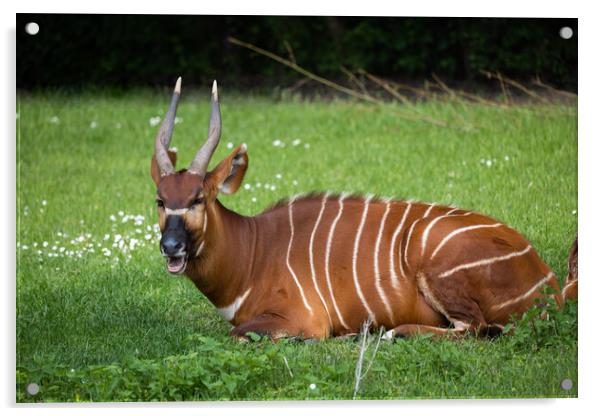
198	201
160	203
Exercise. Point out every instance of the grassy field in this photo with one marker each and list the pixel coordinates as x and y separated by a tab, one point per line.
99	319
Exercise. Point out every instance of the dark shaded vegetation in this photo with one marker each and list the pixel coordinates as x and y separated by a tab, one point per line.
136	50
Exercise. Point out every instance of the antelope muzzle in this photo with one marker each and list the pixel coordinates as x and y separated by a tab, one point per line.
174	244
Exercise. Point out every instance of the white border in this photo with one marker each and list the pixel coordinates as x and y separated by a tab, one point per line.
590	95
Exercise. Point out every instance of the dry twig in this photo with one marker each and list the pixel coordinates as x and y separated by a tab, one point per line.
338	87
504	80
359	376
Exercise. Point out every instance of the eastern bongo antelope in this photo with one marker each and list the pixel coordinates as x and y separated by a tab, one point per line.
322	264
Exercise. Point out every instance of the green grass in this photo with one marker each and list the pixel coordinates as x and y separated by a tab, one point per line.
118	327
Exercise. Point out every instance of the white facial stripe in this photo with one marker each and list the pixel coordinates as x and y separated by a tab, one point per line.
179	211
485	262
198	251
228	312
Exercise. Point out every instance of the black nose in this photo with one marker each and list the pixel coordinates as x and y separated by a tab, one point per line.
171	246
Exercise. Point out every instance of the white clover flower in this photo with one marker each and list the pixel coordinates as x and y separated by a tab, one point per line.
278	143
117	238
24	247
296	142
44	202
178	120
312	386
279	176
295	182
112	217
45	244
54	120
117	125
154	121
148	236
106	237
93	125
254	199
230	145
306	145
273	188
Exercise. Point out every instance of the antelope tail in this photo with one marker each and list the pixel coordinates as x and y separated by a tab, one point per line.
569	291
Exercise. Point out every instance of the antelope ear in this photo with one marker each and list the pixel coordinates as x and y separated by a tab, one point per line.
173	155
227	176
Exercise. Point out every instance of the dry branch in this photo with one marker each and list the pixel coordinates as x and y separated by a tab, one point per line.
303	71
338	87
567	94
355	79
504	80
461	95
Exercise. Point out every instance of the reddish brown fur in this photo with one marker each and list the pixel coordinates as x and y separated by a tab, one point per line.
249	252
432	273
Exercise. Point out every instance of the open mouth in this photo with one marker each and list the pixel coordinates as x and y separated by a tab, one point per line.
176	265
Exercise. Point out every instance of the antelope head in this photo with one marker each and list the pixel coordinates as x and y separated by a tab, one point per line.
184	197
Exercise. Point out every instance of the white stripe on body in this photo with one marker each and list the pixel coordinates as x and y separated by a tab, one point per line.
228	312
411	230
379	288
428	211
311	257
567	286
485	262
525	295
288	254
405	251
459	231
394	278
327	258
354	261
427	230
